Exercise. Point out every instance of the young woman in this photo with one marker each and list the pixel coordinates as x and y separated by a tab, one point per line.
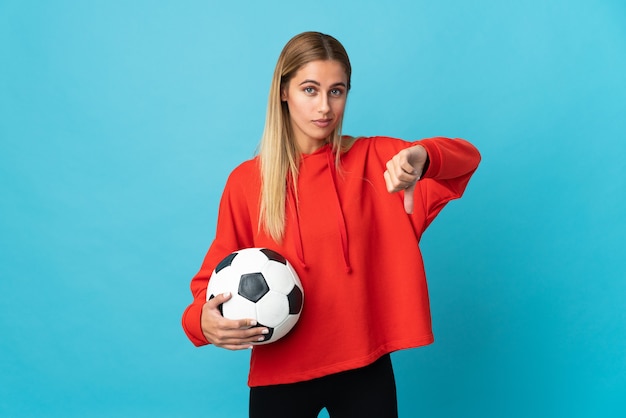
349	214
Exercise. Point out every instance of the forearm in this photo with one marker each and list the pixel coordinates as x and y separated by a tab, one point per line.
449	158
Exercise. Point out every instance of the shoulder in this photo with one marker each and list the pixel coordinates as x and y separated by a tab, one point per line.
245	174
377	141
381	145
246	169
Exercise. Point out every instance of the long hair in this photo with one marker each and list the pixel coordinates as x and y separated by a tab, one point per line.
278	151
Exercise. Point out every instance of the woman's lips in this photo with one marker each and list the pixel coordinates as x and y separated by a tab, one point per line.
322	123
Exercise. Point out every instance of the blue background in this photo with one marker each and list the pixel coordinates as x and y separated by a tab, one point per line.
120	120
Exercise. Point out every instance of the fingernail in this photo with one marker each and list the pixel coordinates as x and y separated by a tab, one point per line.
227	294
265	331
261	339
253	323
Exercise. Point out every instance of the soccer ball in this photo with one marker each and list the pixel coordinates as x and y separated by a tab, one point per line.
265	287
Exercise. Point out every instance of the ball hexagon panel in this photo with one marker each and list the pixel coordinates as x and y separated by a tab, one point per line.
277	278
249	259
272	309
224	282
239	308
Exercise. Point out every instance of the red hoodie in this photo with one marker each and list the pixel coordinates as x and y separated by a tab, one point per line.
353	246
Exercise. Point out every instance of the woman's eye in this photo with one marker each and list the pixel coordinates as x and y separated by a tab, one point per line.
309	90
336	92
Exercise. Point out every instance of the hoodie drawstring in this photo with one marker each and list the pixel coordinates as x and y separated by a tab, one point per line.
332	170
294	214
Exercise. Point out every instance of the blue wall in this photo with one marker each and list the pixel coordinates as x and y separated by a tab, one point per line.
120	120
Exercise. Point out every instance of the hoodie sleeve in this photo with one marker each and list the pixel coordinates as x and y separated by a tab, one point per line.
233	232
451	165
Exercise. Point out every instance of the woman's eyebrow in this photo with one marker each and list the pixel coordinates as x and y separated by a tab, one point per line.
317	83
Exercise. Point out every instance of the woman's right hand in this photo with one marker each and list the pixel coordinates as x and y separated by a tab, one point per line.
231	334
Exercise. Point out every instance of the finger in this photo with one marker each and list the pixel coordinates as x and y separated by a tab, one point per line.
240	329
392	181
240	337
241	344
245	323
395	183
402	171
218	300
407	168
252	333
389	182
234	347
408	198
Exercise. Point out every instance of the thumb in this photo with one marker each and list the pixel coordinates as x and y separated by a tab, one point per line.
215	301
408	198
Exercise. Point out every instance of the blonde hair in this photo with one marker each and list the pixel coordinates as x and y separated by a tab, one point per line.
278	151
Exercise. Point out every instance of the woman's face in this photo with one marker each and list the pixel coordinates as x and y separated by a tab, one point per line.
316	97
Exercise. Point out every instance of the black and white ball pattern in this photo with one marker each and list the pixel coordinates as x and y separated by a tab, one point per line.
265	287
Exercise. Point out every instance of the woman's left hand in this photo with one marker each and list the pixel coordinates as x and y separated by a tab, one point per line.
404	170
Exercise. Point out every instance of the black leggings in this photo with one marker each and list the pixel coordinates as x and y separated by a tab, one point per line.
366	392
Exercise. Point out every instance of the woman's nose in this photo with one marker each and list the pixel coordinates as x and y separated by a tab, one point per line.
324	106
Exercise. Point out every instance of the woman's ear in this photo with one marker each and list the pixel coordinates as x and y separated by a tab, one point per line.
283	94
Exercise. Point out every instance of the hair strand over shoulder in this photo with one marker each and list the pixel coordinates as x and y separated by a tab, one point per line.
278	151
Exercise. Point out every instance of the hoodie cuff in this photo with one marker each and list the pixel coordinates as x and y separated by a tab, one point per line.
434	158
192	324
